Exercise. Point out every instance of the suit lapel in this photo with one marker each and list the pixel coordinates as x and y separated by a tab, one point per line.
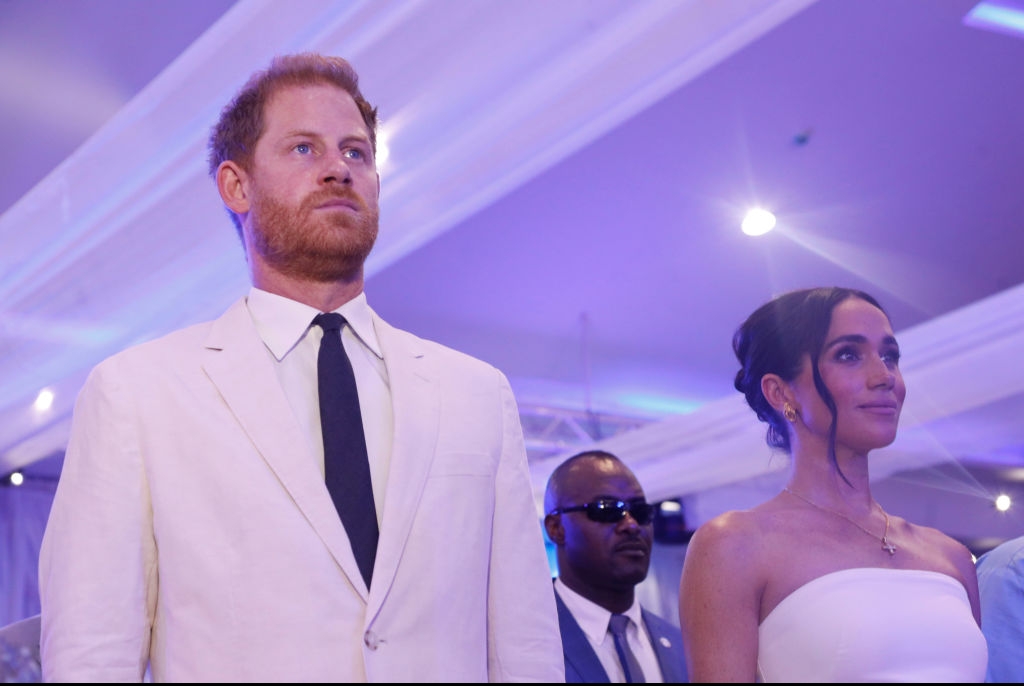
415	401
238	364
670	657
581	662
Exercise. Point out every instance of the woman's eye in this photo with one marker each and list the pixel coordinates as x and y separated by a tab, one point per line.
846	354
891	357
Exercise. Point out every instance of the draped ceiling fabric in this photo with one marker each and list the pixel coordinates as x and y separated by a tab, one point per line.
128	234
127	239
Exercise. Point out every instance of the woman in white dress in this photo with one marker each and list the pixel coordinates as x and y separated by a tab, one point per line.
820	583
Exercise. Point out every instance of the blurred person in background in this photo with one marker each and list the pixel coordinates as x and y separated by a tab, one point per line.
1001	586
602	527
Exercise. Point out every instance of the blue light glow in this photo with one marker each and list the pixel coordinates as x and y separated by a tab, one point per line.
658	404
997	15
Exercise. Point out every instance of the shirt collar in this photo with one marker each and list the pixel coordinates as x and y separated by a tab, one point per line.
592	618
282	322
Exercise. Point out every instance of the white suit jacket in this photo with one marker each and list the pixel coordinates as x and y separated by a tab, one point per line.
192	530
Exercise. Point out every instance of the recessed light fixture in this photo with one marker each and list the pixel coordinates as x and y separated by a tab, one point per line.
670	506
44	400
1003	502
758	222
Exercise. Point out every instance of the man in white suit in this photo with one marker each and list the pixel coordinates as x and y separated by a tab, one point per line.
192	534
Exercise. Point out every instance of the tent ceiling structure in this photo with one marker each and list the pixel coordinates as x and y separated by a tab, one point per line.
562	198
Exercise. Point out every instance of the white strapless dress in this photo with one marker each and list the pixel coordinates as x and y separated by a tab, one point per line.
873	624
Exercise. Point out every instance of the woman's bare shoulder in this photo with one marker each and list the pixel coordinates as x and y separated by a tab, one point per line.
938	546
734	533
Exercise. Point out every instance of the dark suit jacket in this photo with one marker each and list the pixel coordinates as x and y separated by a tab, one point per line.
583	666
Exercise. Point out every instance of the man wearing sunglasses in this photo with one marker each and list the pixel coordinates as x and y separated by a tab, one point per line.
602	528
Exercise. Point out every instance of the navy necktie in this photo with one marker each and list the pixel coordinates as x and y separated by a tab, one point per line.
630	666
346	465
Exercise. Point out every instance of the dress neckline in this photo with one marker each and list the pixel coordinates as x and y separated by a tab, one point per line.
864	571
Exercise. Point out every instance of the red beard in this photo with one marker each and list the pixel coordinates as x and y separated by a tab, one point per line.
311	244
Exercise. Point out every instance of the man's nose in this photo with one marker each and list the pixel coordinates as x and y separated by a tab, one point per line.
628	521
335	169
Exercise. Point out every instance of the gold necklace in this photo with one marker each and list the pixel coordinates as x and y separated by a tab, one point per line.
886	545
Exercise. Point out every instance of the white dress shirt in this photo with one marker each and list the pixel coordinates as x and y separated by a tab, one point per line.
293	342
593	620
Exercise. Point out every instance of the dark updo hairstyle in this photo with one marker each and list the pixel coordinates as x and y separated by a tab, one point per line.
774	340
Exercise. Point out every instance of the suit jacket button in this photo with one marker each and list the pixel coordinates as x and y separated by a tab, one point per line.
371	640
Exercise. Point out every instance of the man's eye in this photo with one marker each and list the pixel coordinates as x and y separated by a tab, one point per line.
303	148
354	154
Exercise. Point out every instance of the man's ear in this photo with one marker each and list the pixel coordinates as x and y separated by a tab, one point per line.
554	529
233	186
777	392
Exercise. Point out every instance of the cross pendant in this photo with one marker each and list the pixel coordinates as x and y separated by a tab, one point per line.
888	547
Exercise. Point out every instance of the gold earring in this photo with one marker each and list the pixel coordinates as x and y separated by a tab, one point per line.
789	412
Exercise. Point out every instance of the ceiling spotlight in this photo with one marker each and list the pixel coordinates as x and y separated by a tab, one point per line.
44	400
16	478
1003	502
758	222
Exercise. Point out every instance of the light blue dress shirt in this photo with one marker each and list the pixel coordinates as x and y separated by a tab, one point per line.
1001	588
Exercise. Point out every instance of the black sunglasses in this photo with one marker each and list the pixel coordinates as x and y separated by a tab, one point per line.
608	511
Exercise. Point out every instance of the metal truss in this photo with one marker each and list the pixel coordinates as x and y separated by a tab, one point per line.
550	431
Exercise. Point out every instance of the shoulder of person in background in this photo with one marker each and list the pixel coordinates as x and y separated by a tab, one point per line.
1001	589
